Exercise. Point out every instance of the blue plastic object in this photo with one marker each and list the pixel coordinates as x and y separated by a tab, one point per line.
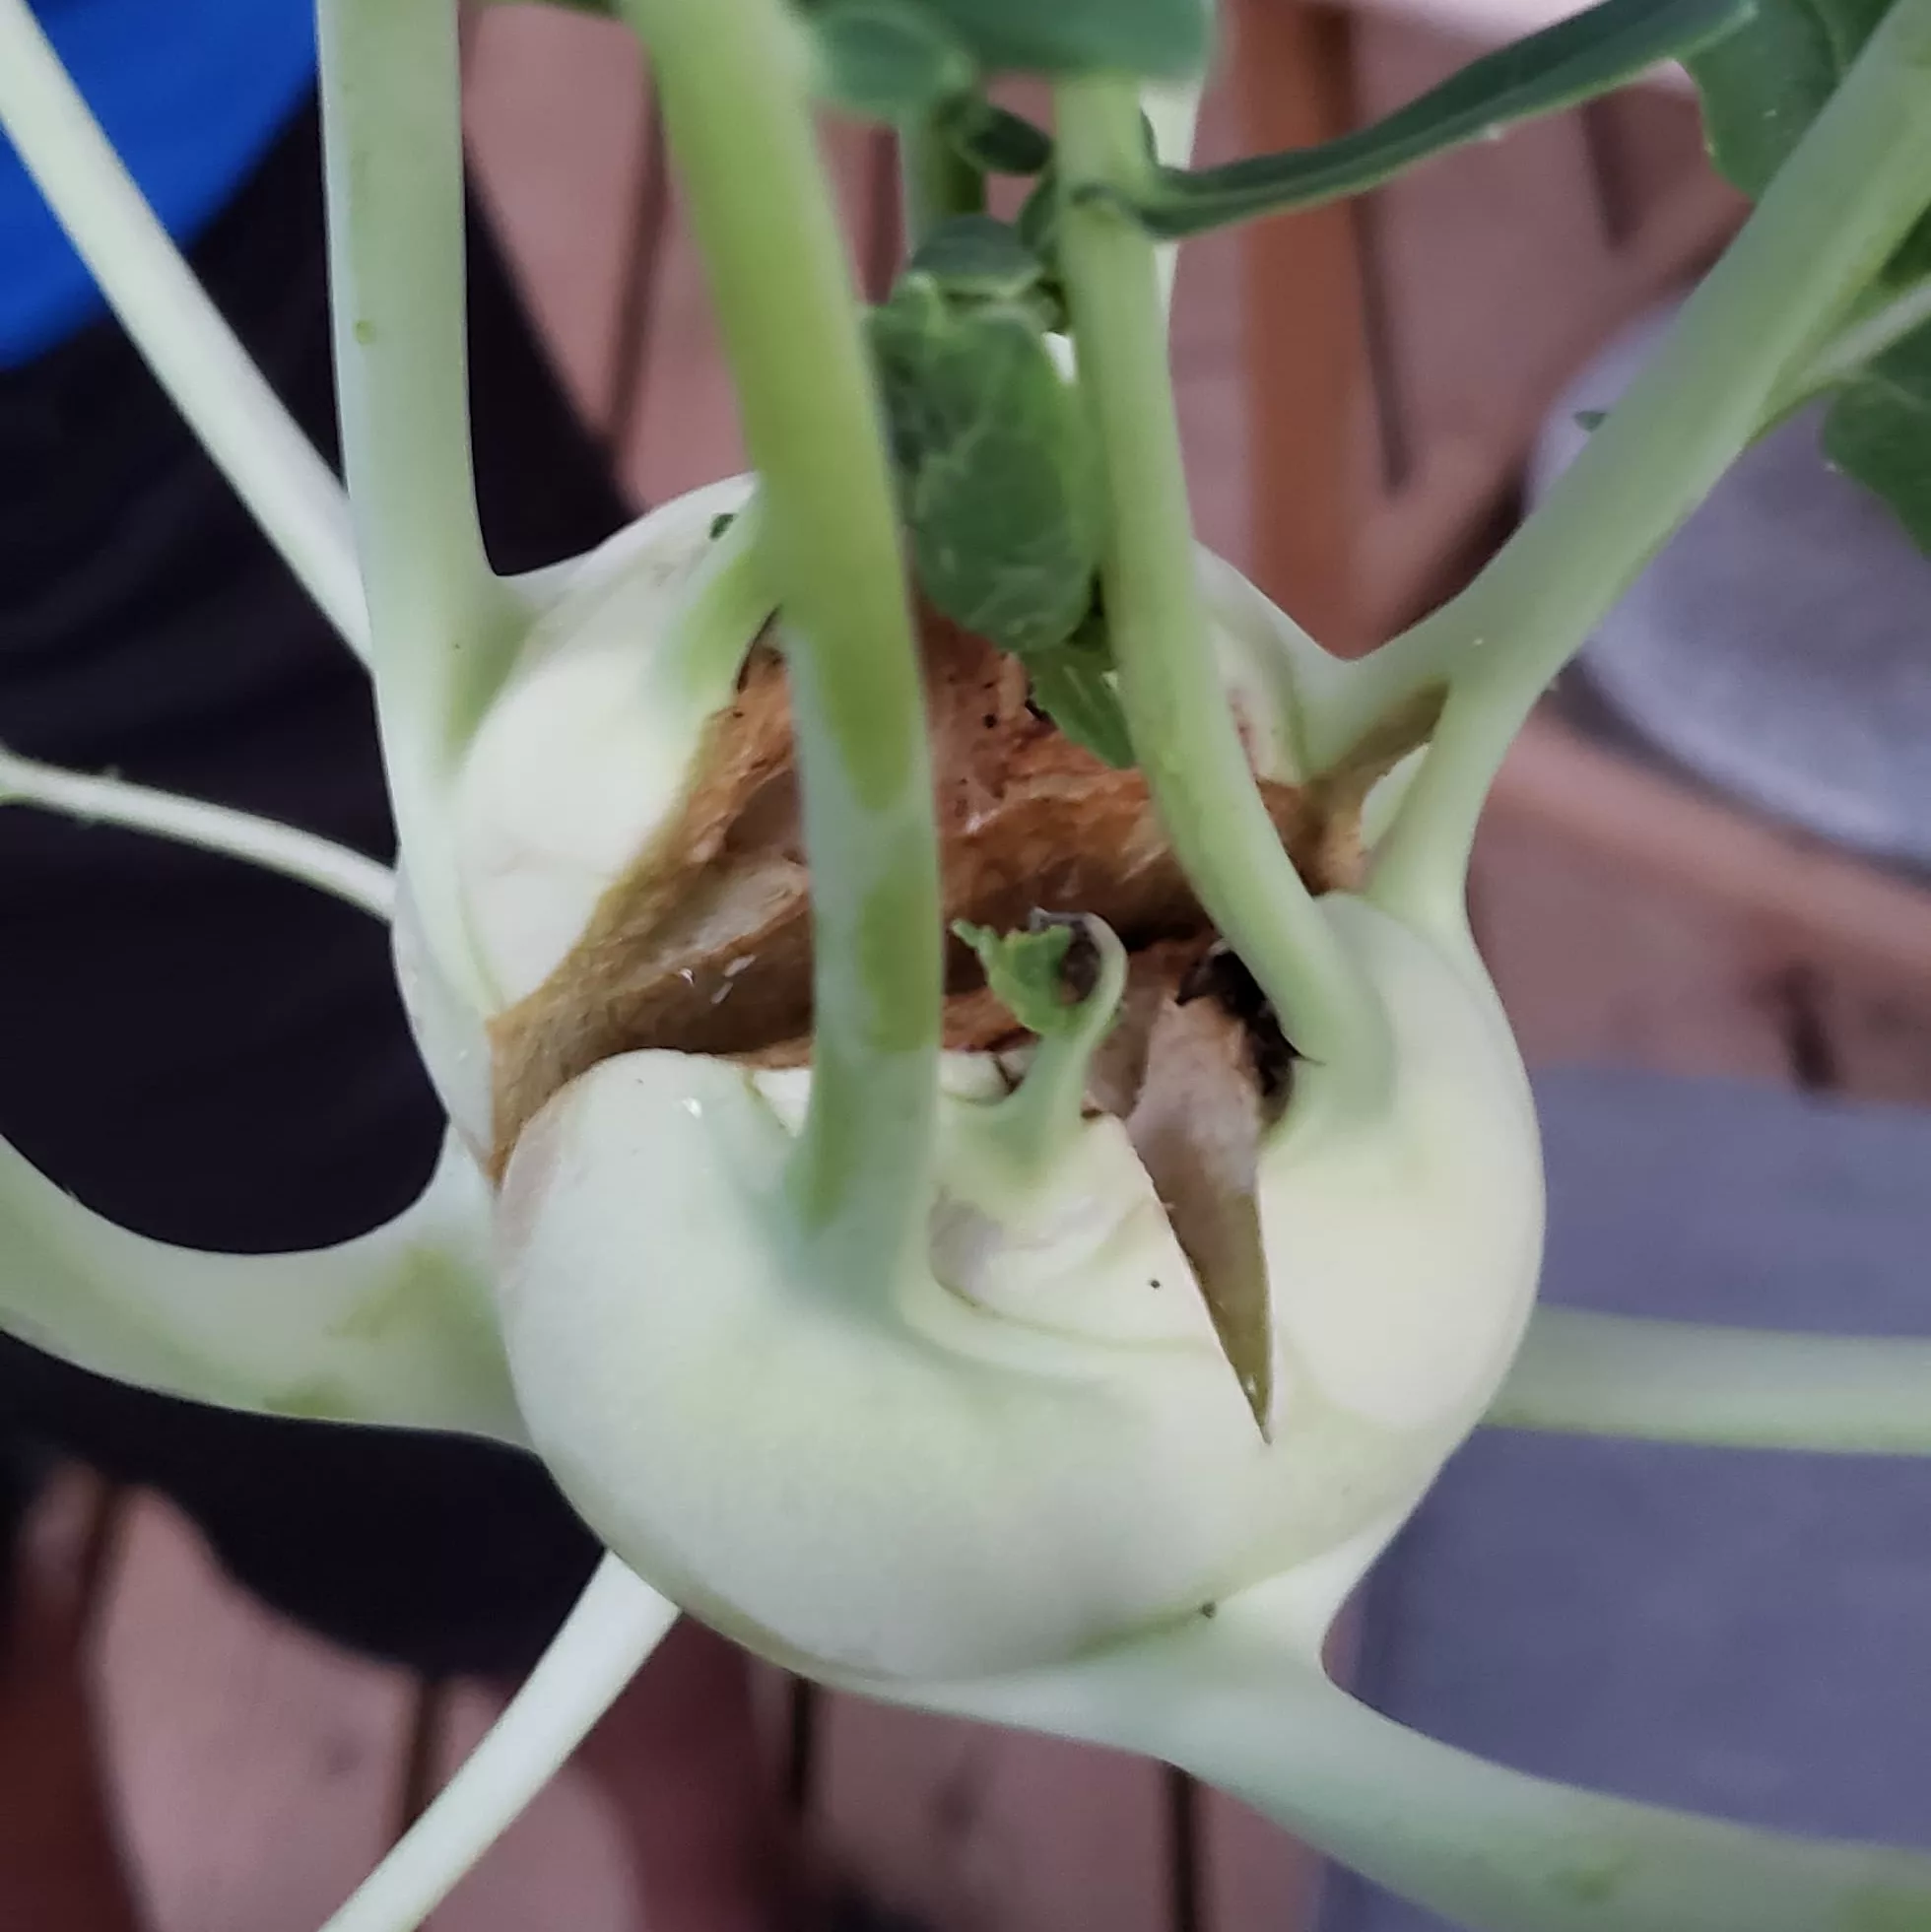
192	93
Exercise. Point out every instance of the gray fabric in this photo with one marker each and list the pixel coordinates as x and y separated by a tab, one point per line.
1748	1635
1780	647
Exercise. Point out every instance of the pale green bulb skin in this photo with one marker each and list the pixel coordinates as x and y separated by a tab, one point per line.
1036	1447
1035	1444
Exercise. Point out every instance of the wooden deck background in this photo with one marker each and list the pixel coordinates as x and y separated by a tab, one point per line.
1358	388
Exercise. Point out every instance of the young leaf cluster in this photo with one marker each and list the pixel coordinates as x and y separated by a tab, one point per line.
1031	973
998	474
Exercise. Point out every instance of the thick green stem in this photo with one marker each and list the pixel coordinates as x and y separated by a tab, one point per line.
1240	1701
1862	341
1667	1381
397	1328
251	437
731	76
1183	729
445	629
936	181
1833	213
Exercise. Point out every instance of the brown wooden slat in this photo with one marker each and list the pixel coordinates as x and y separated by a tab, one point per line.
1874	1032
685	429
558	125
1305	381
571	1855
60	1863
1596	965
1494	255
976	1830
1833	953
1644	143
1824	905
254	1767
1256	1879
1284	446
1424	544
1211	331
1504	268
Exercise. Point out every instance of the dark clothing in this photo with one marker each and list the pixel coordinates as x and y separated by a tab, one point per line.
205	1052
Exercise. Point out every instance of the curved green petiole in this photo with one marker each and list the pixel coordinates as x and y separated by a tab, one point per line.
1594	1375
396	1328
1028	1131
296	854
1827	222
445	629
763	210
1240	1700
1576	59
617	1623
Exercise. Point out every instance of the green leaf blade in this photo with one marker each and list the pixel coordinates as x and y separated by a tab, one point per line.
1026	972
1576	60
1879	430
1761	91
998	474
1083	698
1160	39
1762	88
884	61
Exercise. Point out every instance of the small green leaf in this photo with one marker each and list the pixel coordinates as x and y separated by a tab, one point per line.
1084	704
884	60
1026	972
1076	685
1573	62
1879	429
1037	220
974	258
992	139
998	474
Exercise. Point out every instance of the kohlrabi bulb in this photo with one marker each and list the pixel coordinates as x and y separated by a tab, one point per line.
1036	1441
1038	1445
